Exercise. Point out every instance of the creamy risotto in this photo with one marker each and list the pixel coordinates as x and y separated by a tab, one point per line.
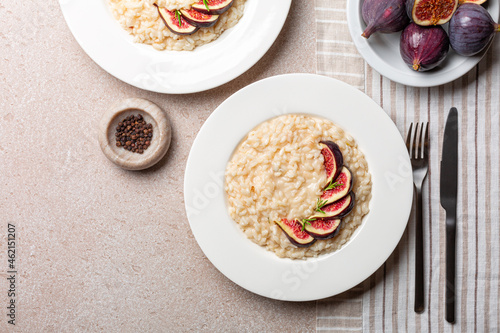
141	19
278	172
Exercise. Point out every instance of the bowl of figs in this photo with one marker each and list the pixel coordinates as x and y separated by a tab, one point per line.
423	43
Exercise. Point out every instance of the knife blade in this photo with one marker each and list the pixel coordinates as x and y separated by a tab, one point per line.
448	193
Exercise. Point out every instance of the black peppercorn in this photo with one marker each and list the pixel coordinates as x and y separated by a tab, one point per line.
134	134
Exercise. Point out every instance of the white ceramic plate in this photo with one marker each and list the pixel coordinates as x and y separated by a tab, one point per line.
381	51
208	66
251	266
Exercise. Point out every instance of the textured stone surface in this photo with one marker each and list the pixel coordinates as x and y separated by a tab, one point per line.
100	248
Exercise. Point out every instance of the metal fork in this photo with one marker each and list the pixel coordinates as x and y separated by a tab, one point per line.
418	148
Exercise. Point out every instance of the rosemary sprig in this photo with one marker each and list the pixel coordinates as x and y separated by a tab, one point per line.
205	2
320	204
178	16
333	185
306	221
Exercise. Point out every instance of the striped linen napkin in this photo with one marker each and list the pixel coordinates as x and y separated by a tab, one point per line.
384	302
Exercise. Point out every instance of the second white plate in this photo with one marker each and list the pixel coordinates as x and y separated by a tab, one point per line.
250	265
208	66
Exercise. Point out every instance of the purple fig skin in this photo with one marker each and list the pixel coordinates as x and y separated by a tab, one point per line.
471	29
409	8
384	16
423	48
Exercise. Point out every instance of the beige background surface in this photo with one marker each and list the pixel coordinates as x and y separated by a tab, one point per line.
100	248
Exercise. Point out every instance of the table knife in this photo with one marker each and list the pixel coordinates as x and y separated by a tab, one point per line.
448	192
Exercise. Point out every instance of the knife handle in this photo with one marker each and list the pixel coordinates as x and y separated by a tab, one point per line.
419	254
450	267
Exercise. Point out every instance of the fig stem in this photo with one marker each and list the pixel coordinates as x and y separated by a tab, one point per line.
497	27
416	65
368	31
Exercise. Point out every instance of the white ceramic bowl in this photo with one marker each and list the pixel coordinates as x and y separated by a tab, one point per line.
381	51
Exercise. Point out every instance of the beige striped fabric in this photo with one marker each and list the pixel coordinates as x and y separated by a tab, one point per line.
384	302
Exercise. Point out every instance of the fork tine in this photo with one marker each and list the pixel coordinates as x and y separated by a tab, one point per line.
426	141
420	142
408	139
415	142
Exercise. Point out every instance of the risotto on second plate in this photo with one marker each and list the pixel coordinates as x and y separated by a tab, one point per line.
278	172
141	19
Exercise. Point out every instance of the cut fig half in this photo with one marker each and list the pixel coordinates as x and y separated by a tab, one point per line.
176	23
338	209
323	229
433	12
198	19
333	159
295	233
477	2
338	188
214	7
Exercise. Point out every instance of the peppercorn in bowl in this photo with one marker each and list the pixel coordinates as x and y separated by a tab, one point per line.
134	134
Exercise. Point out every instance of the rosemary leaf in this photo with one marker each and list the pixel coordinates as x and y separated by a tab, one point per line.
320	204
306	221
178	16
205	2
332	186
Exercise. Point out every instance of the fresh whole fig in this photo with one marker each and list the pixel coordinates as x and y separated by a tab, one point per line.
423	48
384	16
409	8
471	29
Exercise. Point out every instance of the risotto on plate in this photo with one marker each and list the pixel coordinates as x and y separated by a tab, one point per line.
141	19
278	172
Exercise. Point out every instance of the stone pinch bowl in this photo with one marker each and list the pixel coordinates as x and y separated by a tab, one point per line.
153	115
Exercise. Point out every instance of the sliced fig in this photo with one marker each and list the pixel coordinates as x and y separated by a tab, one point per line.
199	19
478	2
433	12
384	16
293	231
471	29
216	7
333	159
323	229
176	23
338	209
423	48
339	188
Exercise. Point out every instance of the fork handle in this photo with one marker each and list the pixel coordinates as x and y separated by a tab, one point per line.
419	254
